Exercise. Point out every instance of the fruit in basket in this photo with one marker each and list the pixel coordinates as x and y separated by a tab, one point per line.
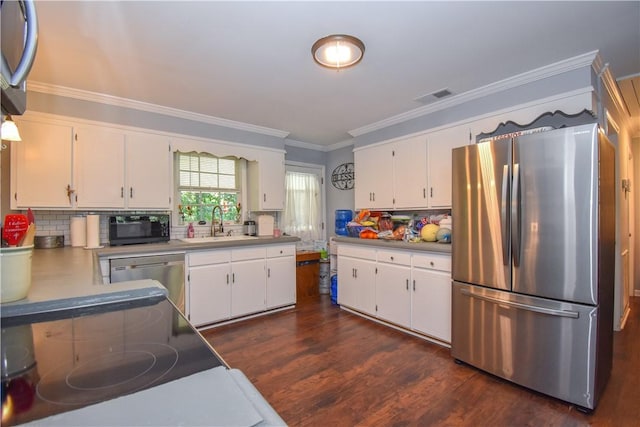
428	232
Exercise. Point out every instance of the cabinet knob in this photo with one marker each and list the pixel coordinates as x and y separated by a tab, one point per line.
431	263
391	258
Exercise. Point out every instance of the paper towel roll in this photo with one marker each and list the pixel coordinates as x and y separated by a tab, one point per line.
78	231
93	231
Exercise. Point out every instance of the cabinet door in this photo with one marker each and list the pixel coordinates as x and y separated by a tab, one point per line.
99	168
439	146
356	284
41	166
266	182
431	303
281	281
209	293
410	173
393	295
373	169
148	167
247	287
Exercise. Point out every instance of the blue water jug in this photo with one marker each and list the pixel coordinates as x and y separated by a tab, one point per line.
334	289
343	216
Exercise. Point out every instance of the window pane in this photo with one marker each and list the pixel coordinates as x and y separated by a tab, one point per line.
227	181
208	164
208	180
227	166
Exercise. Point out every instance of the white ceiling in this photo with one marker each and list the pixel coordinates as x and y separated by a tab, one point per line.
250	61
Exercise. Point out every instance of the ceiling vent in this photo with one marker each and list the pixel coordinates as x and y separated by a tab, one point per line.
434	96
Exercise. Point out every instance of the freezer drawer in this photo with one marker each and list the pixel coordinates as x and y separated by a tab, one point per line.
548	346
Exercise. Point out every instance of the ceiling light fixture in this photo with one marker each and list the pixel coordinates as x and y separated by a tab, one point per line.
338	51
9	131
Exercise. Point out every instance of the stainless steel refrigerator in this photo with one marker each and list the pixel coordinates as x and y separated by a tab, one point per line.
533	260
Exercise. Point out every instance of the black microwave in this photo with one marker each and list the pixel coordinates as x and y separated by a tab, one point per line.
136	229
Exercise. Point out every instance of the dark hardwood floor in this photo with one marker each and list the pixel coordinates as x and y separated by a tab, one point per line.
318	365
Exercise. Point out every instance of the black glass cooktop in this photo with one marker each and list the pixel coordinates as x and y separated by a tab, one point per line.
57	362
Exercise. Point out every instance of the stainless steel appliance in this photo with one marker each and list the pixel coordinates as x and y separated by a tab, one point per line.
166	269
19	38
136	229
533	260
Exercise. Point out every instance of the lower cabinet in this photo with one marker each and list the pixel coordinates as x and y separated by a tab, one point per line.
224	284
393	292
409	289
357	278
281	273
431	299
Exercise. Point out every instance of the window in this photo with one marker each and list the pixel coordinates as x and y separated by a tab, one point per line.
205	181
302	216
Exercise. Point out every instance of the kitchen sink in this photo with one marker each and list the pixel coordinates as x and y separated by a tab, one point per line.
210	239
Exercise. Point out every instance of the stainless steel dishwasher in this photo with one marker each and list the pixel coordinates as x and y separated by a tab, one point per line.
166	269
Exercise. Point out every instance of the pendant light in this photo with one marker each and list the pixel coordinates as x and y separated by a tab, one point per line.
9	130
338	51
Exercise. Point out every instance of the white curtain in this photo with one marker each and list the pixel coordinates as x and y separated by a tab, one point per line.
301	216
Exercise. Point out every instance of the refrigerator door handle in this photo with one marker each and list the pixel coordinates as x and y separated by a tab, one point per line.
515	216
534	308
504	215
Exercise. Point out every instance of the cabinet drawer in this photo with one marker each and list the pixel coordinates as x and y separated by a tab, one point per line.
280	250
245	254
432	261
357	252
394	257
208	257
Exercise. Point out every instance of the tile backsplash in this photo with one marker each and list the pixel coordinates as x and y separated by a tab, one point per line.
56	223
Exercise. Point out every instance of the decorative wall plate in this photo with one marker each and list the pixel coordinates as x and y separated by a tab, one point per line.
343	176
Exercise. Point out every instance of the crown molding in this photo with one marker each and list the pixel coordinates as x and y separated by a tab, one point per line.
508	83
116	101
318	147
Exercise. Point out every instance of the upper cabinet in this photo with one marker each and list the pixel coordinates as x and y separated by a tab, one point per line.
266	182
373	169
439	146
62	166
99	168
148	187
43	176
411	173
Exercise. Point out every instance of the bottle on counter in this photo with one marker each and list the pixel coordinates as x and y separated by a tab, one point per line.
190	231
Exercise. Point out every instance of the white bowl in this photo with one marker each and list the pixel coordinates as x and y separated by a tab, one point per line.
15	273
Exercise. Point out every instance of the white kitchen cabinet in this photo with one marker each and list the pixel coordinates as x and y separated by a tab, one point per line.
148	171
99	167
393	293
373	168
439	146
41	166
209	286
431	299
248	282
357	278
266	182
223	284
281	276
410	173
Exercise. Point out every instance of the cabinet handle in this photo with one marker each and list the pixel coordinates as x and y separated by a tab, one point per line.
264	197
268	273
374	196
391	258
227	278
131	192
122	192
431	192
424	193
431	263
70	191
233	277
407	284
414	285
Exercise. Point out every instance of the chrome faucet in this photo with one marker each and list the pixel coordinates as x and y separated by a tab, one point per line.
215	229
